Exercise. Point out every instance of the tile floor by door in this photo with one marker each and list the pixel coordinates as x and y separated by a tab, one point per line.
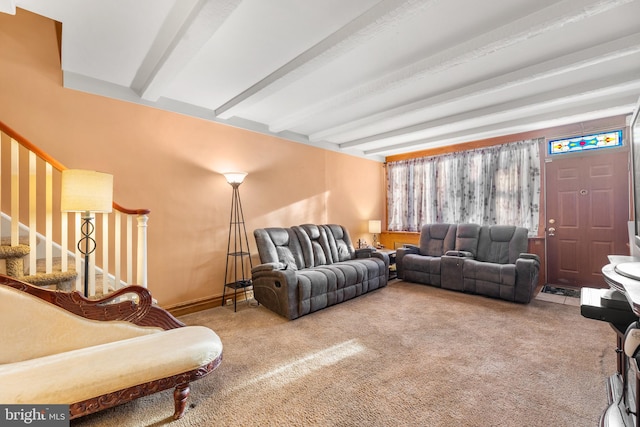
559	299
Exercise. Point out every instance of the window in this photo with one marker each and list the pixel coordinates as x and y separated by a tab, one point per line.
494	185
587	142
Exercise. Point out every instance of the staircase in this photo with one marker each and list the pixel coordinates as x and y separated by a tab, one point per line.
14	257
38	243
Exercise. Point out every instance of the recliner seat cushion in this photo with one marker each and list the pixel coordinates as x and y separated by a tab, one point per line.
490	272
422	269
373	269
489	279
317	289
340	281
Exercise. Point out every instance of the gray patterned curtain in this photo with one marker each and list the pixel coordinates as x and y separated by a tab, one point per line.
494	185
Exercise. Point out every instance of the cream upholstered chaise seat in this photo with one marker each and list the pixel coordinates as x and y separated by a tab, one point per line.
54	355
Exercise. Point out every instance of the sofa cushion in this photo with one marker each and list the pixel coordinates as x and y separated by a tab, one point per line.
326	285
490	272
437	239
467	236
279	245
339	243
372	272
314	244
489	279
317	289
286	257
501	243
422	269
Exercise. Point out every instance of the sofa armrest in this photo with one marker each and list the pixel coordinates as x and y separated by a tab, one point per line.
266	271
460	254
269	266
529	256
364	252
527	270
276	289
400	254
406	250
383	256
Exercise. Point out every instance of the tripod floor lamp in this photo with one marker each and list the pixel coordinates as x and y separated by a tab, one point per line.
87	192
238	267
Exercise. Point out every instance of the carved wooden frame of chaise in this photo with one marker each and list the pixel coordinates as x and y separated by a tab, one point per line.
117	307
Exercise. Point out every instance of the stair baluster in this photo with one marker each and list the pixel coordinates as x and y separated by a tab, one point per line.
38	241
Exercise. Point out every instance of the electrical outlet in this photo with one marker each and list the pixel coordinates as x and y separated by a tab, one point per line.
229	301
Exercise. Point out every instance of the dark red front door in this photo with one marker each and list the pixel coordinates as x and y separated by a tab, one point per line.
587	209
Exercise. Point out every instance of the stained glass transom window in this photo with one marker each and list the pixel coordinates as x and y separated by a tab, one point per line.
587	142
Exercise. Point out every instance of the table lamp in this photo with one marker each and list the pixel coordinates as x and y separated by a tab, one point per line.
87	192
375	228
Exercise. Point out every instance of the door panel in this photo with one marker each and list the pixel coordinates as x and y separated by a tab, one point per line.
587	206
567	256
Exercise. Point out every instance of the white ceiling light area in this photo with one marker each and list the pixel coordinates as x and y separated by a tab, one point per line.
370	78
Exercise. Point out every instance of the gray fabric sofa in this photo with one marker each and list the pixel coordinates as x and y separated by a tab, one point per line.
310	267
484	260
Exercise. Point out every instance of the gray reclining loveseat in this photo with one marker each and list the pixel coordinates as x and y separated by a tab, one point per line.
485	260
309	267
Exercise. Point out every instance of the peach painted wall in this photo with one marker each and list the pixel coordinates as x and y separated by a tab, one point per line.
171	164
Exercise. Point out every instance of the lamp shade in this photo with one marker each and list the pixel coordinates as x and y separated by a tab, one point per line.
86	191
375	226
235	177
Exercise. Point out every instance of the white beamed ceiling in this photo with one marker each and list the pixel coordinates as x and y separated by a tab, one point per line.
365	77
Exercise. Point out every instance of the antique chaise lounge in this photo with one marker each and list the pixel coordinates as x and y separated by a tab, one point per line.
61	348
310	267
484	260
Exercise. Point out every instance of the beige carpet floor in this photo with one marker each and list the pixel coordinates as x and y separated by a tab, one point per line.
405	355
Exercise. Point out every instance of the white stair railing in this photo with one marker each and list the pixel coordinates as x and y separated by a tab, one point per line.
32	200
